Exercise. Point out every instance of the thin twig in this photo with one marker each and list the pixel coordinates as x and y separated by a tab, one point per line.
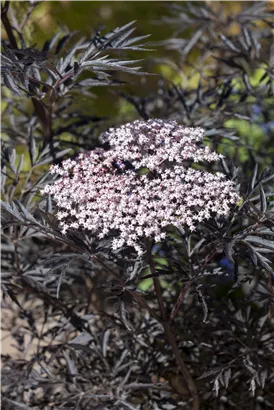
43	113
7	25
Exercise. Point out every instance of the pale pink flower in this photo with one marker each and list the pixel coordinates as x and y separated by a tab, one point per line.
141	184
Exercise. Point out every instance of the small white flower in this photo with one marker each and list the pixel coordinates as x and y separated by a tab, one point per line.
94	195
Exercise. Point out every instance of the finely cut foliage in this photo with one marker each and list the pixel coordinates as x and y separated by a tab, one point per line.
97	192
139	275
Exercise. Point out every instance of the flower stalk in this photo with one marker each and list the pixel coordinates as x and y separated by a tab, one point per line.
166	323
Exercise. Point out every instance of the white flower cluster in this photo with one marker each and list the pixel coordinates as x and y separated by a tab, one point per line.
150	143
98	193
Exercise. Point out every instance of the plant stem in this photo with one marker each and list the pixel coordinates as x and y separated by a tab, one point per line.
170	335
43	113
7	25
182	366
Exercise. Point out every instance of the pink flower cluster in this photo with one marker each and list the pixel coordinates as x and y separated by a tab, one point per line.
150	143
99	193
